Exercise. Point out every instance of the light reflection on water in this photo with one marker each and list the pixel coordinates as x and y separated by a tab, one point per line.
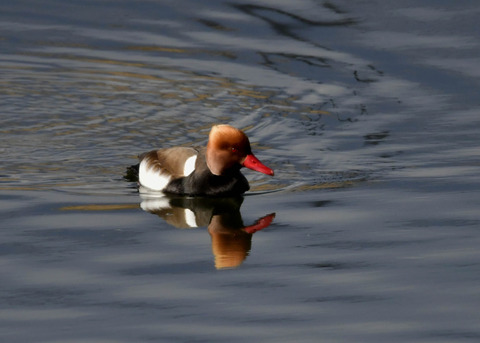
366	112
106	93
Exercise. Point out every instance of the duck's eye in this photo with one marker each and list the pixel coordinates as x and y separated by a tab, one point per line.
234	149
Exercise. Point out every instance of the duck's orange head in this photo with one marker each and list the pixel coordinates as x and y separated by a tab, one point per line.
229	148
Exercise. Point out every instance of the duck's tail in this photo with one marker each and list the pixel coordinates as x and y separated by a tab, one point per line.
131	174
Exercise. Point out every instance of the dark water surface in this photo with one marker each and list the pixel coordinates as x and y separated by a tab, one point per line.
368	112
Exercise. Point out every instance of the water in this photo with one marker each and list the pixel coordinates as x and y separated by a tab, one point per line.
367	112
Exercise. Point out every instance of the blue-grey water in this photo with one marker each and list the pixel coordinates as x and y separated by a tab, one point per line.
368	112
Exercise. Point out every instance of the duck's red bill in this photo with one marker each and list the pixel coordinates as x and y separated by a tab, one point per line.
254	163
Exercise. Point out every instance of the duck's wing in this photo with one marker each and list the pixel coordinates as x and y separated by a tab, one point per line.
176	161
159	167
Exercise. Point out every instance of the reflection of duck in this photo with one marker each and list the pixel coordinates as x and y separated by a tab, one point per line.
231	240
213	171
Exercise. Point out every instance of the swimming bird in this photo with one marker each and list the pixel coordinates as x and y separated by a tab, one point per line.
213	170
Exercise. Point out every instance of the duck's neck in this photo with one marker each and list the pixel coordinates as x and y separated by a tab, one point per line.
212	162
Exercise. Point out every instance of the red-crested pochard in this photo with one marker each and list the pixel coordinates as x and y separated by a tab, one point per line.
211	171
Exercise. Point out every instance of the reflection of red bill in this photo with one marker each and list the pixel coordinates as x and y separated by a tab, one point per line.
254	163
262	223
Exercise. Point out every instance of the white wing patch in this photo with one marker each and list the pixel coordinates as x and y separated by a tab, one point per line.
151	178
189	166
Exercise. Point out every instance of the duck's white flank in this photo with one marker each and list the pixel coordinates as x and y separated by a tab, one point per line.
151	178
189	166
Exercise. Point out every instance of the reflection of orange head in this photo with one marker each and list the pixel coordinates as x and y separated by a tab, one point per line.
229	246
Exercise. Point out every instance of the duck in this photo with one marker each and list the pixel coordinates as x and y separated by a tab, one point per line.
213	170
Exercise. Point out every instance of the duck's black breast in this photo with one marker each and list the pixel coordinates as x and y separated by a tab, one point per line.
203	182
206	183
